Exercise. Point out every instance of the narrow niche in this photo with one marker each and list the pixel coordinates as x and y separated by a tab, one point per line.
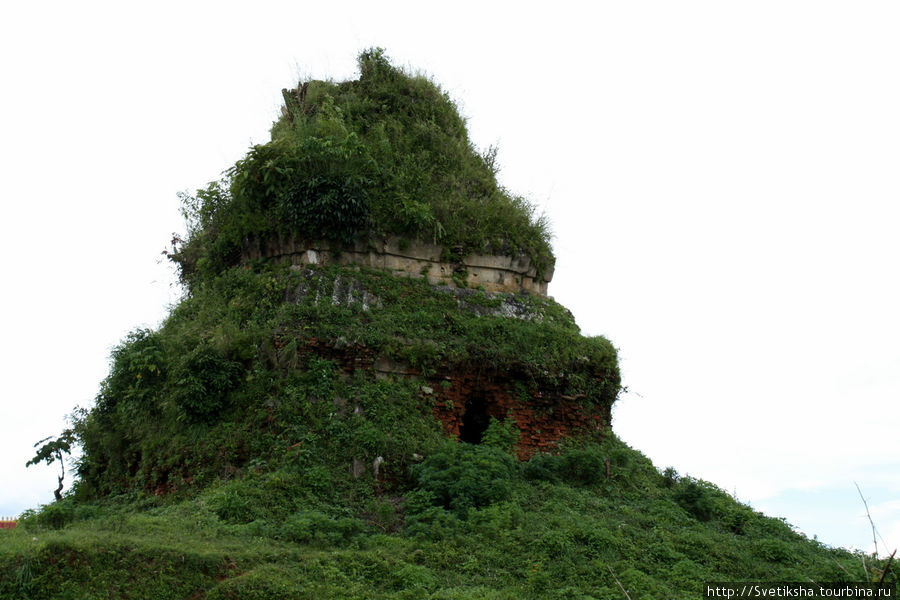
475	421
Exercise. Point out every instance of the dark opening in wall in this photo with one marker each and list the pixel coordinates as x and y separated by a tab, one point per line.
474	421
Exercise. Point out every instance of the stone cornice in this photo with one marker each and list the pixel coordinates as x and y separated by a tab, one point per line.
413	258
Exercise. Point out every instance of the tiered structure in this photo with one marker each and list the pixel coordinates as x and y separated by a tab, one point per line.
358	288
465	396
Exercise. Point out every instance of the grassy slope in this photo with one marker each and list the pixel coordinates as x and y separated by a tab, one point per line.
228	410
559	532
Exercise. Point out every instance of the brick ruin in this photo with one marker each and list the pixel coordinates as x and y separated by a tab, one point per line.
464	397
543	418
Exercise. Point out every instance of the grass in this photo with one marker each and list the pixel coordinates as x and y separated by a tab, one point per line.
548	536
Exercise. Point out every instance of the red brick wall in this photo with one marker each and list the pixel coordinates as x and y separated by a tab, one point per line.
543	415
543	418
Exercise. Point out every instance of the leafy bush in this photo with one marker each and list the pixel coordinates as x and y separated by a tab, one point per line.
694	498
319	187
670	477
773	550
238	502
582	465
271	496
202	380
314	527
426	519
503	435
463	476
50	516
137	365
735	517
546	540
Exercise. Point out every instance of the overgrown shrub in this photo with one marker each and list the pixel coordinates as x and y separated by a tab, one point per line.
138	364
772	550
314	527
581	465
202	380
503	435
318	187
270	496
50	516
670	477
463	476
694	498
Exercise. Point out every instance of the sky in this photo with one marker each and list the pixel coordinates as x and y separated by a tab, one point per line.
722	178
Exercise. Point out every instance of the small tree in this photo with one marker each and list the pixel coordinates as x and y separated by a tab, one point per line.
52	450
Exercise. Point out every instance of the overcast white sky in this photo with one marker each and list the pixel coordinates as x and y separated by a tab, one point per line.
722	178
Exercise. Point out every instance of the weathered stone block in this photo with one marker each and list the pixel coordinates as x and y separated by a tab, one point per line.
494	273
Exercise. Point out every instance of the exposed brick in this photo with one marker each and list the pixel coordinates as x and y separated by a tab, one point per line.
544	418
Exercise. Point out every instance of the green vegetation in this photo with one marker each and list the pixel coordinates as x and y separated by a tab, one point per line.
247	373
249	448
387	154
471	523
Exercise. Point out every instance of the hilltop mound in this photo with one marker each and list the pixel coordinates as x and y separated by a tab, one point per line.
266	355
308	424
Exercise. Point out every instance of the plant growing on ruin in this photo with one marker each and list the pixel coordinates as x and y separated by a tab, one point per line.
503	435
386	154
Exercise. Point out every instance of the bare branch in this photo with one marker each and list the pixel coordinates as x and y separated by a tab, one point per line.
841	567
618	583
872	523
887	567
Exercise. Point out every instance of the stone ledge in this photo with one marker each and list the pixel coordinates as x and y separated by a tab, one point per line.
493	273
